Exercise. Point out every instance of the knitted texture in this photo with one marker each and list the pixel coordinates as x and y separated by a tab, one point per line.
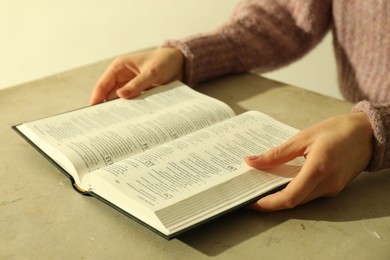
380	160
266	35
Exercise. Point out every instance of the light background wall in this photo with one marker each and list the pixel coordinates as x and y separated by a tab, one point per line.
43	37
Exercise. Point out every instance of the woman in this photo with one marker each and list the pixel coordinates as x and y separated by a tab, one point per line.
265	35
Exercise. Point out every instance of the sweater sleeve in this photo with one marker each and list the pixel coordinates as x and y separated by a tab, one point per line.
380	122
260	34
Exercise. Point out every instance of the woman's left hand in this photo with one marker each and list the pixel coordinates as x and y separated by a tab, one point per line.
336	151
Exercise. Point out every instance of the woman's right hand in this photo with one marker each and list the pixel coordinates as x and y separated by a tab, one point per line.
128	76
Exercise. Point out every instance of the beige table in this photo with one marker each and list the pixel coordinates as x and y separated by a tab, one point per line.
42	217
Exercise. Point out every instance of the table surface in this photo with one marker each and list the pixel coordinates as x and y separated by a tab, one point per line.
42	217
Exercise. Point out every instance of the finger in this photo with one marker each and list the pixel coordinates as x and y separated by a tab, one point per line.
117	74
135	87
295	193
278	155
104	86
112	95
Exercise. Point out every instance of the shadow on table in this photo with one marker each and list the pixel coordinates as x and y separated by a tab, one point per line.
365	198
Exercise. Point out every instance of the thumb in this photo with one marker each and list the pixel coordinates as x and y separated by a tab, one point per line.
277	155
135	86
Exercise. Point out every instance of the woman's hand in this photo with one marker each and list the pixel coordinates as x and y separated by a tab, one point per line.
336	151
128	76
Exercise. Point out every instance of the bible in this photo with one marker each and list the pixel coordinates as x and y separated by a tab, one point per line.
171	159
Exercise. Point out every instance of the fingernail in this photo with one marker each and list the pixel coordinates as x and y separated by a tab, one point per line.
125	93
253	157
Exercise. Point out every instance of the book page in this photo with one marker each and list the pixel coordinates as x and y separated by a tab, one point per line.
97	136
194	163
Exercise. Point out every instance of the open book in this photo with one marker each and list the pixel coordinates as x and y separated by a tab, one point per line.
171	159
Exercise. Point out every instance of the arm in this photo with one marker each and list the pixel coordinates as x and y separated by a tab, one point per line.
336	151
260	34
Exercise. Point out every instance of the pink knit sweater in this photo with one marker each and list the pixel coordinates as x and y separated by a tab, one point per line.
266	35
